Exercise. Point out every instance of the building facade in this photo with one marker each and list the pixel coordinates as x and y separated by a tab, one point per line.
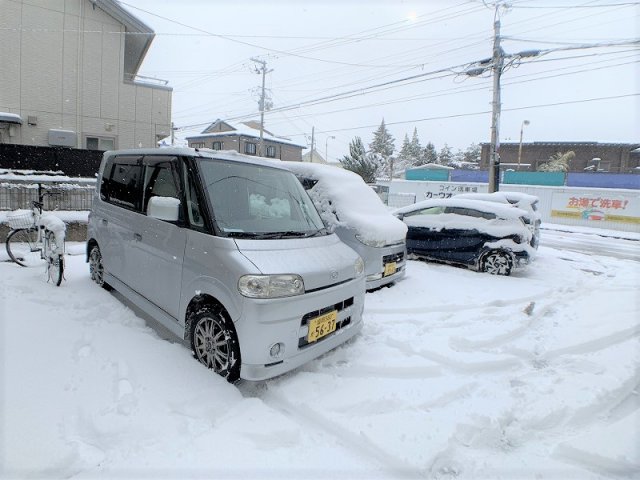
68	77
245	138
590	156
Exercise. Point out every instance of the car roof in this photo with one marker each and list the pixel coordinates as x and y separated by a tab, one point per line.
499	209
230	155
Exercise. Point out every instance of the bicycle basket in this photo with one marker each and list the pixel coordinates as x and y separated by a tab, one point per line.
20	219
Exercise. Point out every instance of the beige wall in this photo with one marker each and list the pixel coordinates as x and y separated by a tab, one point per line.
62	62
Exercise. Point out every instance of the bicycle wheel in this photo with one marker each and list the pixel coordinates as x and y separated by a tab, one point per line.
55	268
22	247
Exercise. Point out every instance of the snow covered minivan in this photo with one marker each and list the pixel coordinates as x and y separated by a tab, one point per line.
354	211
228	252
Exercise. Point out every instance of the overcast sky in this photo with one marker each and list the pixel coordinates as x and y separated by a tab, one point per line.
335	51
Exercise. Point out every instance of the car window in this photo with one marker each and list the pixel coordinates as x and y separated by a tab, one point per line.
194	209
122	182
426	211
160	180
471	212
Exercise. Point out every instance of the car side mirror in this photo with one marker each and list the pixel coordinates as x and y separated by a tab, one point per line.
164	208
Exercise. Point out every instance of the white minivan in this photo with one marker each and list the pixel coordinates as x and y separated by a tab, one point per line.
228	252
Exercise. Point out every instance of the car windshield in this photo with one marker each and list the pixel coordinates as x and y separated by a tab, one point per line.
255	201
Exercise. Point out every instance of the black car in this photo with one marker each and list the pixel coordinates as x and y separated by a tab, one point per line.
486	236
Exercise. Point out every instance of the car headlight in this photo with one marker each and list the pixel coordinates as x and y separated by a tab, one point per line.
359	266
270	286
371	243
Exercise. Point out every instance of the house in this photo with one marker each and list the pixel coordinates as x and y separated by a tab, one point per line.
69	77
245	138
590	156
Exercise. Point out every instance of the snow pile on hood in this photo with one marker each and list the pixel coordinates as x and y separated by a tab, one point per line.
343	199
516	199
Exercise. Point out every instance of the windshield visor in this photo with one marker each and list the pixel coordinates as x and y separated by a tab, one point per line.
254	201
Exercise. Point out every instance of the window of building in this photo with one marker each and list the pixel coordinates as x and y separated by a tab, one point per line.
250	148
197	145
271	151
100	143
217	145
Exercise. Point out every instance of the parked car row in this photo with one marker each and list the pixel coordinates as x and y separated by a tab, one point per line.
261	265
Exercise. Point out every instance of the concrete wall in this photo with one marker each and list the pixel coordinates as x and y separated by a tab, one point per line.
63	64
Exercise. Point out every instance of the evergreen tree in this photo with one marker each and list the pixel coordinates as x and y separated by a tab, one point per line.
429	154
472	153
405	158
558	162
382	148
445	156
414	147
359	162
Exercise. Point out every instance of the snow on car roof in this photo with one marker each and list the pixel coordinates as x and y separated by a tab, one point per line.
499	209
343	198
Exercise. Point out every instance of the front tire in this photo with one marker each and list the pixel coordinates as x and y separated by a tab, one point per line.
22	247
497	262
214	342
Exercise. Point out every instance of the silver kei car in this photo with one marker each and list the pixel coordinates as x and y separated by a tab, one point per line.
227	252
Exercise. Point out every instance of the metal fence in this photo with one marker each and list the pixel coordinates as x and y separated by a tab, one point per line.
398	200
15	195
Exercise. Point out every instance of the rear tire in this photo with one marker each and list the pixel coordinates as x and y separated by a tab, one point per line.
96	268
497	262
56	269
21	247
214	342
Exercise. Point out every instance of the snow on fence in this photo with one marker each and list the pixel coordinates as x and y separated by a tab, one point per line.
19	193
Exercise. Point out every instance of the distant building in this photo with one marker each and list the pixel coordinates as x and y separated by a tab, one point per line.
245	138
590	156
69	77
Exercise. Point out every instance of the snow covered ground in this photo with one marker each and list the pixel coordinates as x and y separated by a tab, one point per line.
455	375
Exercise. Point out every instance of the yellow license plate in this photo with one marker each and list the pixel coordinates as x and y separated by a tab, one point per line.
322	326
390	269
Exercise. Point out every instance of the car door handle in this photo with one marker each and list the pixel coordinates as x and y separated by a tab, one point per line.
105	221
137	237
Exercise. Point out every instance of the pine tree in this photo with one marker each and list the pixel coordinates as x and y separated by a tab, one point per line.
445	156
558	162
382	148
429	154
359	162
415	147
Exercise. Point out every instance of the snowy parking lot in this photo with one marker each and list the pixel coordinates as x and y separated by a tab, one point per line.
456	374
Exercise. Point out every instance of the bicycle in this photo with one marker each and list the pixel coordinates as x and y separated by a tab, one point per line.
35	237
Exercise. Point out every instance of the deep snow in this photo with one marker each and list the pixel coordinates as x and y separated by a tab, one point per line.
456	374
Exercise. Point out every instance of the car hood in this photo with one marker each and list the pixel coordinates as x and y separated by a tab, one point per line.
321	261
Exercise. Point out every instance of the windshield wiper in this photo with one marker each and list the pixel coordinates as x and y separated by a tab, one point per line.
276	235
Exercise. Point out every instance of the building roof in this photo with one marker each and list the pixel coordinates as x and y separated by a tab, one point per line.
245	130
135	46
571	144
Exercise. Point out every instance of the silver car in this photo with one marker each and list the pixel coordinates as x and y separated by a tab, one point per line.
228	252
356	214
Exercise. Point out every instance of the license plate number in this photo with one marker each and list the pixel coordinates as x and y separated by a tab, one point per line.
322	326
390	269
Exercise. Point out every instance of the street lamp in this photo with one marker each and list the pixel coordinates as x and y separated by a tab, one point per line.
525	122
326	148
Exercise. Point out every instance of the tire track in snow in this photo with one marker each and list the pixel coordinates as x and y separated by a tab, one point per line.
358	444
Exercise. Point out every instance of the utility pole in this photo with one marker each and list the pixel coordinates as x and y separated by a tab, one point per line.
264	71
313	139
494	149
173	134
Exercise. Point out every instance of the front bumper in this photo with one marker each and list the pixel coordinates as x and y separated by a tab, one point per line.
285	321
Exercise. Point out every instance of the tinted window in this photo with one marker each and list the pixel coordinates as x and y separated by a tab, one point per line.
426	211
122	182
160	179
